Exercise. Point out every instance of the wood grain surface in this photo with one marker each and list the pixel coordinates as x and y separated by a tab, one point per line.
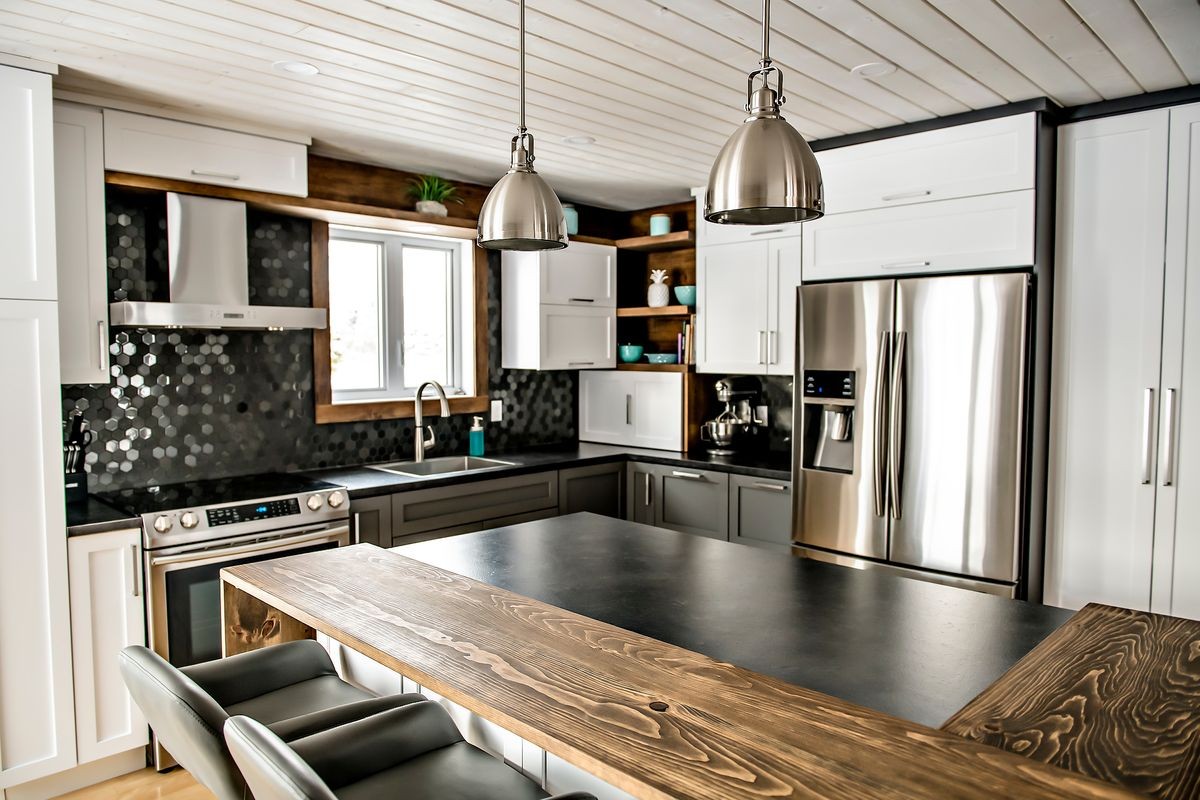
586	691
1114	694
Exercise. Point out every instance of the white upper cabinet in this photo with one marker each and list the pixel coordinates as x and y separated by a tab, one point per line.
80	233
961	161
558	308
27	264
971	233
185	151
638	409
709	233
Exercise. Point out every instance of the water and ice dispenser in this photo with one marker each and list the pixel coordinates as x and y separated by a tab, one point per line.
829	410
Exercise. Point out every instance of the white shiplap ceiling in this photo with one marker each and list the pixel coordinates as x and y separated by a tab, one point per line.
430	85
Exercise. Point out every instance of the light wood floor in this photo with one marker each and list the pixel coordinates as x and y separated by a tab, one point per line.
146	784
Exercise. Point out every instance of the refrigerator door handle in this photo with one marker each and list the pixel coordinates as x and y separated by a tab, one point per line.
896	425
881	402
1147	436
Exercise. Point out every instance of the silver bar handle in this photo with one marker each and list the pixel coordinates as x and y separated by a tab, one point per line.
102	339
581	300
357	530
647	503
773	346
771	487
628	409
762	359
229	176
887	198
1147	442
137	570
691	476
881	402
904	265
896	426
581	363
767	231
1168	449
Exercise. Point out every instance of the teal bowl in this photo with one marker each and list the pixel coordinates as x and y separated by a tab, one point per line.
662	358
630	353
686	295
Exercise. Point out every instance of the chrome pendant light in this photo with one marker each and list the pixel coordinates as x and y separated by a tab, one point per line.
766	173
522	212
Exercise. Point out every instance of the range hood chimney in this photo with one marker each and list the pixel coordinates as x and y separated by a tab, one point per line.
208	271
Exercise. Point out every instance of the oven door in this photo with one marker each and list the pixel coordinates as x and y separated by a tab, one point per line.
184	601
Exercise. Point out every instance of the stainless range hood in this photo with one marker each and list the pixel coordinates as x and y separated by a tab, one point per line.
208	269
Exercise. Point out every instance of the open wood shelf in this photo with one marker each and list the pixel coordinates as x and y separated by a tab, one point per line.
642	366
662	311
679	240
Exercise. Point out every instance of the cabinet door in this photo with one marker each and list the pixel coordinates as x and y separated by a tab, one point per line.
81	248
580	274
760	512
107	614
640	494
783	274
27	266
693	501
970	233
578	338
996	155
1176	570
371	520
1108	296
709	233
731	308
639	409
596	488
37	725
605	407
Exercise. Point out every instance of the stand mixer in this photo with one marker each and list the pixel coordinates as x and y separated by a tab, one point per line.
737	421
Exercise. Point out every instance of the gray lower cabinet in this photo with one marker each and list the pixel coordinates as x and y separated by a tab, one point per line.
692	501
371	520
478	505
640	493
598	488
760	512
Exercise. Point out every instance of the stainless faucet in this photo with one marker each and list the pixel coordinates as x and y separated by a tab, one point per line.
419	418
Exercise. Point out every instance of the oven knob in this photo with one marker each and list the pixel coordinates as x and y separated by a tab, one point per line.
336	499
162	523
189	519
314	502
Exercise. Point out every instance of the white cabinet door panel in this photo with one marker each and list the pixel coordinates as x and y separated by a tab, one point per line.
971	233
658	410
27	263
107	614
783	281
81	248
961	161
638	409
1105	368
605	407
731	308
578	338
37	724
580	274
709	233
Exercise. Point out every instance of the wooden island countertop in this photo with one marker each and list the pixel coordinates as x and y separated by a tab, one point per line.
649	717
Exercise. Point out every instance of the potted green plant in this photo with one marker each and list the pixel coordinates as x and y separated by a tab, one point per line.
432	193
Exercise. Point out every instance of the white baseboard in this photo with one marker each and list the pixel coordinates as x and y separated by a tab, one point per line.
88	774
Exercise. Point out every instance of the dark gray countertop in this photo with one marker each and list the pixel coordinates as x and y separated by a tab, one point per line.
365	482
94	516
905	647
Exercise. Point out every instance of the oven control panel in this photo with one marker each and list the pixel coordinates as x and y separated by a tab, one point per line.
230	515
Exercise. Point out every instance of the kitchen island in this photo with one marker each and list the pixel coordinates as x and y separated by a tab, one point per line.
709	718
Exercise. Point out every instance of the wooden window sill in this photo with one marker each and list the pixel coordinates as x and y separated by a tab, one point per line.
396	409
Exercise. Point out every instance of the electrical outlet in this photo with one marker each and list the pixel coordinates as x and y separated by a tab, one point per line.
497	410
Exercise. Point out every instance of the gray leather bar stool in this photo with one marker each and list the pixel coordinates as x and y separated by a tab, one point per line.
409	753
292	687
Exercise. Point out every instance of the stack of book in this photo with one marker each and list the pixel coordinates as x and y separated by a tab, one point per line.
686	346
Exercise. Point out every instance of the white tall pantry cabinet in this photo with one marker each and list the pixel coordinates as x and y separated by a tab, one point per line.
1123	517
37	733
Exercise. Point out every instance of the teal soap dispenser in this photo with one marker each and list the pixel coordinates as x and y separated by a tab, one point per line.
476	437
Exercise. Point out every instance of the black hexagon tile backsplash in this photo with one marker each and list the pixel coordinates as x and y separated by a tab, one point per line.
188	404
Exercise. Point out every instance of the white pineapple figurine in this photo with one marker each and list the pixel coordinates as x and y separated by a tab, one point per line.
657	295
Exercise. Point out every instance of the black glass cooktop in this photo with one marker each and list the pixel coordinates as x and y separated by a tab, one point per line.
195	494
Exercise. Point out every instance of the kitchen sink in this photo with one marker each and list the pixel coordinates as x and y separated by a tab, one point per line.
440	466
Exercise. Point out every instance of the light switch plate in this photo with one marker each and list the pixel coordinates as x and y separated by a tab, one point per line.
497	410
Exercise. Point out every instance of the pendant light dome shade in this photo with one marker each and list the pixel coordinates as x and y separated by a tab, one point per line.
766	174
522	212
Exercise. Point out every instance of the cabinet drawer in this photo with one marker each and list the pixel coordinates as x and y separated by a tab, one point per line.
692	501
184	151
453	506
971	233
639	409
578	338
962	161
580	274
760	512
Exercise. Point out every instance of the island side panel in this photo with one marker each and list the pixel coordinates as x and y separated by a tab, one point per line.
248	623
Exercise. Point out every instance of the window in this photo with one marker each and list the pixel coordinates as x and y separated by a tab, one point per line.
407	303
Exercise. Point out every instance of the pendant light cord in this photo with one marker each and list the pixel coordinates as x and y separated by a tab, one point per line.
765	61
521	49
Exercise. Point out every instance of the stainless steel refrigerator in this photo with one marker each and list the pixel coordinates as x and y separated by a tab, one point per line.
911	414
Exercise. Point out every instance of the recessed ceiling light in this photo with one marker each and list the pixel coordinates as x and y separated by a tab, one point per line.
873	69
579	140
302	68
